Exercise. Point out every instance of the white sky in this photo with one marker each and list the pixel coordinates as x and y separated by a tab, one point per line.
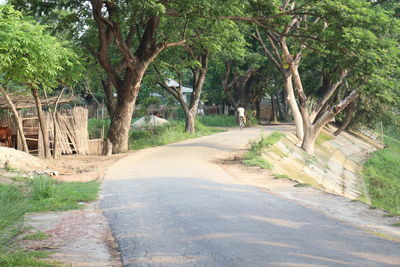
2	2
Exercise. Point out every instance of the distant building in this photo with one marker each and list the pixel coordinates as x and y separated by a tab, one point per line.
186	91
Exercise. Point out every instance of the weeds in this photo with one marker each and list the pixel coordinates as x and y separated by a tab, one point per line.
258	161
281	176
254	156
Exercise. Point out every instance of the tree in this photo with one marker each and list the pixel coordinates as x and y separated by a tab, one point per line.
353	49
31	57
344	34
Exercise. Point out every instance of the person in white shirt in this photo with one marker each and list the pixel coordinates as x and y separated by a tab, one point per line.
242	114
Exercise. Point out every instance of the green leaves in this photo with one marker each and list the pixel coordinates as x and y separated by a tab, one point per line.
31	56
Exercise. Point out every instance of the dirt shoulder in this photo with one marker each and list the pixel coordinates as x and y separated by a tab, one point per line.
81	168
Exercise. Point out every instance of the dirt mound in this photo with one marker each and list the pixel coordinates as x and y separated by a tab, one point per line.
12	158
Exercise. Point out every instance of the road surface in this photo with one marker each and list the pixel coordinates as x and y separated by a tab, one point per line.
174	206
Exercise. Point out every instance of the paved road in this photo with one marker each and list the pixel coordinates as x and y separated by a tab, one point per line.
173	206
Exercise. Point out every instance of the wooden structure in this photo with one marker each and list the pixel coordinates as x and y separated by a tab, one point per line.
70	125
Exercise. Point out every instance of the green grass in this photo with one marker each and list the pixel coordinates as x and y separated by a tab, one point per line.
167	134
382	176
63	196
39	194
254	156
24	259
36	236
13	206
218	120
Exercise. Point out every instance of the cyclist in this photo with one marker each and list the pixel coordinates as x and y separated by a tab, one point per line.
242	116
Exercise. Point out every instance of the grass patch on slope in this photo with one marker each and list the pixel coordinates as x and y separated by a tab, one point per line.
254	156
169	133
322	138
31	195
382	176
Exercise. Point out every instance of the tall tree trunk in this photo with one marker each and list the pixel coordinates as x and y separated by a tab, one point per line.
17	119
190	123
121	123
42	123
291	99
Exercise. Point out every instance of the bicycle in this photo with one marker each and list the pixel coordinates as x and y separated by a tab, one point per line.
241	123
